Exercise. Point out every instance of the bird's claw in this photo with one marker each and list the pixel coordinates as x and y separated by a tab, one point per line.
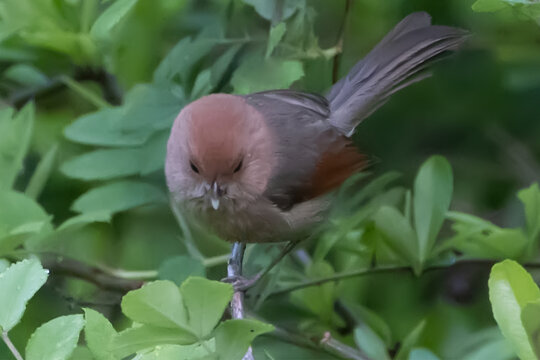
241	283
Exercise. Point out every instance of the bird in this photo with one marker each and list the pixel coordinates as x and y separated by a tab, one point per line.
259	167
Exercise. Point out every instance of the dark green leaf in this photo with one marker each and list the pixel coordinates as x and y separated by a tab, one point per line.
179	268
233	337
276	10
42	173
276	34
410	341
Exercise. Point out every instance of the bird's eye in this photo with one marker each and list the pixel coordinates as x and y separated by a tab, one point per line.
193	167
238	167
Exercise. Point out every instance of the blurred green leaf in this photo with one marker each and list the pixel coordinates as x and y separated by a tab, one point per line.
55	339
431	200
222	64
410	341
276	10
510	289
17	285
370	343
27	75
399	235
42	173
19	214
368	317
422	354
233	337
205	301
85	219
104	26
275	36
158	303
530	317
179	268
178	352
99	335
15	133
258	74
530	198
118	196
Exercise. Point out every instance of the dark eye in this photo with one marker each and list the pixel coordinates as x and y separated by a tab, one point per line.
193	167
238	167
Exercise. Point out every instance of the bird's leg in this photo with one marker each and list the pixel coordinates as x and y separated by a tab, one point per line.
242	283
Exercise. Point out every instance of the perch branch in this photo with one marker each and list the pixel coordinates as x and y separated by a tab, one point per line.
10	345
234	269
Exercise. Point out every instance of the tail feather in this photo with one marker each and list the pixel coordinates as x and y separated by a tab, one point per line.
396	62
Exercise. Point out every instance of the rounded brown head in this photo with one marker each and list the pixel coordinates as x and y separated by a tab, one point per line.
220	152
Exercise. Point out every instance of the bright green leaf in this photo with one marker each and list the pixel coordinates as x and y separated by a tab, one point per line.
233	337
530	317
510	289
181	352
158	303
432	196
56	339
17	285
119	196
99	335
205	301
179	268
143	337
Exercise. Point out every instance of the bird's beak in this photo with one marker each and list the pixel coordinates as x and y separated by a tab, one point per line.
214	197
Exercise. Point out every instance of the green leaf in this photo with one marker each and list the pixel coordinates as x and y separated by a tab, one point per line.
222	64
399	235
422	354
179	268
489	5
410	341
431	200
143	337
370	343
268	9
158	303
178	352
118	196
258	74
81	353
15	133
17	285
205	301
530	198
85	219
510	289
105	24
233	337
202	86
530	317
364	315
110	163
318	299
42	173
56	339
276	34
180	61
99	335
26	75
18	211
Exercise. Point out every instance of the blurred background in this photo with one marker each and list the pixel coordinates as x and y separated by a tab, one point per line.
102	95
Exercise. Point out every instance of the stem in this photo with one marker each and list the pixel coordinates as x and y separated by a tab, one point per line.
215	260
234	269
90	96
11	347
338	348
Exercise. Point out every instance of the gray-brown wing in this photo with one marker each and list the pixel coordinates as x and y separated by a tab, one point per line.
299	121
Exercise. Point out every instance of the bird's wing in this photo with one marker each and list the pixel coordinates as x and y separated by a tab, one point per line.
313	157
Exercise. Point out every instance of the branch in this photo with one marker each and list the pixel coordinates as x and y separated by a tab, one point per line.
60	265
388	269
10	345
234	269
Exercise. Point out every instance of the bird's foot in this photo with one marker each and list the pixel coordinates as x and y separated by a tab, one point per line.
241	283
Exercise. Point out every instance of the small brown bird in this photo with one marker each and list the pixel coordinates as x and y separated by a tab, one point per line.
255	167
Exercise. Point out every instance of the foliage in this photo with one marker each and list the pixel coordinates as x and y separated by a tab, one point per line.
398	271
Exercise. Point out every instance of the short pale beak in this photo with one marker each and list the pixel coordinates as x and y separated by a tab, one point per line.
214	197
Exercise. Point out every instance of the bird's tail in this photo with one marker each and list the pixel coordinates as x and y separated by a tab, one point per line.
396	62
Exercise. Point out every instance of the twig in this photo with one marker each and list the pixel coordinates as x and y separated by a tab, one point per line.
10	345
337	57
387	269
234	269
59	265
338	348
